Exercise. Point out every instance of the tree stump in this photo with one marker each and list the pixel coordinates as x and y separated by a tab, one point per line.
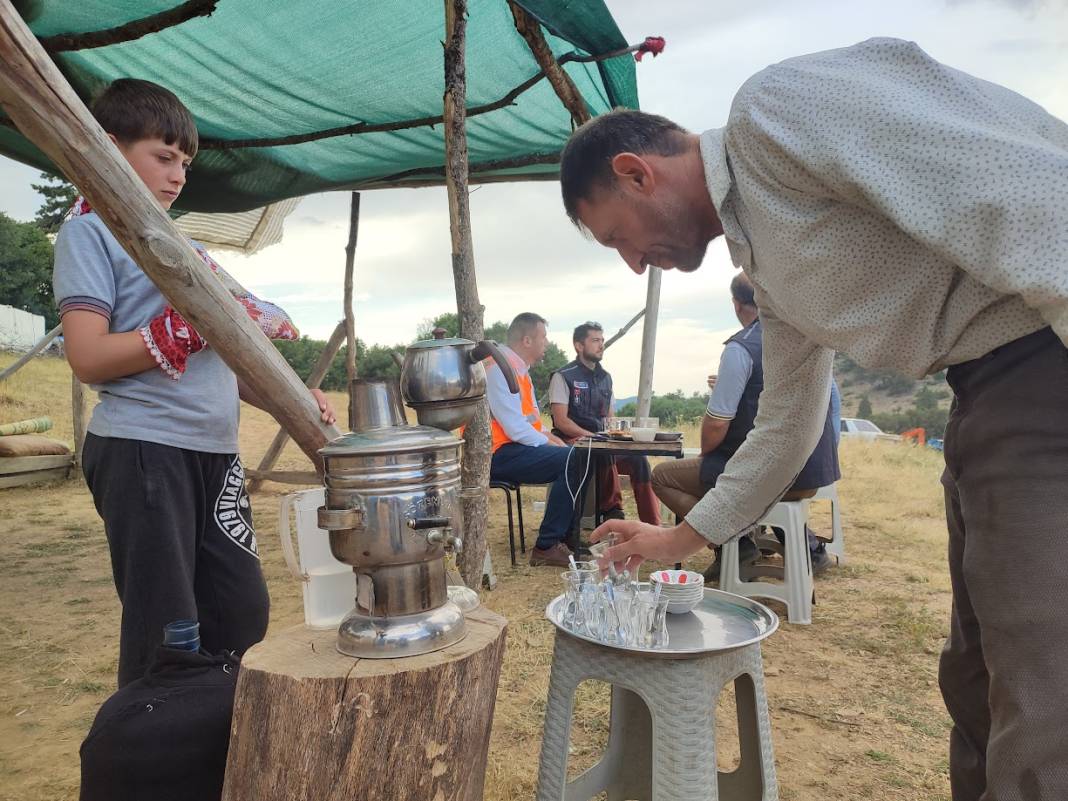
310	723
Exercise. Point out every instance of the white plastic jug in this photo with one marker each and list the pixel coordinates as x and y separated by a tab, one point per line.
329	585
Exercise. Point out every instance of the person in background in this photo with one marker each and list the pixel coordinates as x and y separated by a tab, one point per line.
913	217
581	400
523	452
729	417
836	411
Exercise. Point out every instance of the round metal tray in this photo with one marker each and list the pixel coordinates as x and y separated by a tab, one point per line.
722	621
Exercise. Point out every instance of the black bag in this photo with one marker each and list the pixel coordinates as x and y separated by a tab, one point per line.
164	736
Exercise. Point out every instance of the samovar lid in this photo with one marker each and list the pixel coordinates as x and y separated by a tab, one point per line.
395	439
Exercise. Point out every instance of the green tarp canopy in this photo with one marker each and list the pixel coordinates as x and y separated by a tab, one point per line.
256	70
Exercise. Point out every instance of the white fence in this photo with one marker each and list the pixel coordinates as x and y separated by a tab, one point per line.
19	330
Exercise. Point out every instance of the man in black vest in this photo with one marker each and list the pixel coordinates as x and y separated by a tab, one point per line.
580	397
728	419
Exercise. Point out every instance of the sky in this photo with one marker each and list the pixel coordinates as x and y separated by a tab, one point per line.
529	257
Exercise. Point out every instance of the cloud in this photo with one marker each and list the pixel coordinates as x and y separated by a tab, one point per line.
529	256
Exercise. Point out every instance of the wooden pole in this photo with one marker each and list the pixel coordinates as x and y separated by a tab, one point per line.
47	111
312	723
652	310
77	403
565	88
315	378
303	477
42	343
350	319
474	470
619	334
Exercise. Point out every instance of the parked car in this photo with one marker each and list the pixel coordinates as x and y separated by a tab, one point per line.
866	430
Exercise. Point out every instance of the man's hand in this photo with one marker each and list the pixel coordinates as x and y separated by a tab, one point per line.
325	407
637	542
555	440
712	381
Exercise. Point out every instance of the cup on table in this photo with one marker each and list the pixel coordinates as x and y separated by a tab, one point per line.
579	585
649	626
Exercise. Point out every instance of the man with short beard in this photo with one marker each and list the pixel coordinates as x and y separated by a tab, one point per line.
916	218
581	400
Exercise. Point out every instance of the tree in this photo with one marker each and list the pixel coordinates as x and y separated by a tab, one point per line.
541	372
926	399
671	409
26	269
59	196
450	321
864	409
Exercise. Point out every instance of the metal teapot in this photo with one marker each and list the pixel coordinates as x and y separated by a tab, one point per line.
443	379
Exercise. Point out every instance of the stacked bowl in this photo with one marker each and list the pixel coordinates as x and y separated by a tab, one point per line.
684	589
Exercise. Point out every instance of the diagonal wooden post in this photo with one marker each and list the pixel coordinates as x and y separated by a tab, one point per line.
474	471
530	29
315	378
47	111
350	318
26	357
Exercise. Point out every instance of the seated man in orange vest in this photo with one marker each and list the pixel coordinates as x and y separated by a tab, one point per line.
523	451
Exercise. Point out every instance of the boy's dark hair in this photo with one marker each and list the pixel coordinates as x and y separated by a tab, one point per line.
742	290
131	109
586	161
583	331
522	325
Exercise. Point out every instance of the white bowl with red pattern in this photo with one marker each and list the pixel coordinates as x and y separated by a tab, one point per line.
684	589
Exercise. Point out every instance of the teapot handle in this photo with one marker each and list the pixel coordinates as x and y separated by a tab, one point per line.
487	347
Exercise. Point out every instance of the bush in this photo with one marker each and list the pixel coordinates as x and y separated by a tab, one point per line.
672	409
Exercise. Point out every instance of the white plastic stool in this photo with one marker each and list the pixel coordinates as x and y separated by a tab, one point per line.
662	734
837	544
796	588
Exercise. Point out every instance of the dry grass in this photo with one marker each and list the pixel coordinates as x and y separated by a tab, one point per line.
853	697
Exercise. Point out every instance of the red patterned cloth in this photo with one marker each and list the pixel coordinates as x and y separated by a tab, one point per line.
271	319
171	341
652	44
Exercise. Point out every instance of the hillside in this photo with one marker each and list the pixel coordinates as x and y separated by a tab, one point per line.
887	392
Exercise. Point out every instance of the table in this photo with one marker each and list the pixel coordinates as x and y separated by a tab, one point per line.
662	738
613	447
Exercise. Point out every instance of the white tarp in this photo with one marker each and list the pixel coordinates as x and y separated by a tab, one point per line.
246	231
19	330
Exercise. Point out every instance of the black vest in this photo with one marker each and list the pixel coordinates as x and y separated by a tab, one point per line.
750	338
589	394
820	470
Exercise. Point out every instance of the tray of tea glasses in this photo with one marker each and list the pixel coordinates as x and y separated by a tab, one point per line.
722	621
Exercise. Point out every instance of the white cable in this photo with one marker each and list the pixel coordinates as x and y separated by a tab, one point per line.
567	472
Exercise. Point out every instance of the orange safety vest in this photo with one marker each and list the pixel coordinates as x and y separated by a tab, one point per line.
526	399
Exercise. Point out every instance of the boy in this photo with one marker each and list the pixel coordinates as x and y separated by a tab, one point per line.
160	455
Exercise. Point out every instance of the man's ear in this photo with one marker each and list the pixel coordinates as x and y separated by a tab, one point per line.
633	173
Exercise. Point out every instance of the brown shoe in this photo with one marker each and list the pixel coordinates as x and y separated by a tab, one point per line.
557	556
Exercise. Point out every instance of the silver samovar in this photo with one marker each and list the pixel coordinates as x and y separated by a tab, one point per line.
393	498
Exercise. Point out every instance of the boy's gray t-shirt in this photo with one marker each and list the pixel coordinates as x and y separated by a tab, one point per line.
197	412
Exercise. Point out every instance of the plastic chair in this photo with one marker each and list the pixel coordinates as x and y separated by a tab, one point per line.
796	574
507	487
837	544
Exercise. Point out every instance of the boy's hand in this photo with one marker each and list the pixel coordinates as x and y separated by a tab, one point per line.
171	341
325	407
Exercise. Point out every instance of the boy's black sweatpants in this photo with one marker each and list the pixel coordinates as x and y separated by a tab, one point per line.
179	526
